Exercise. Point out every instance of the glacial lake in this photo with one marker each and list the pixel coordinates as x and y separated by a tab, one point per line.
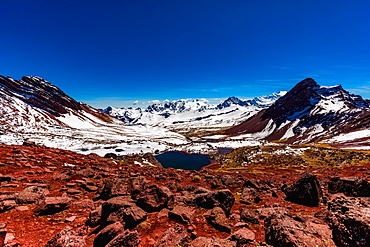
179	160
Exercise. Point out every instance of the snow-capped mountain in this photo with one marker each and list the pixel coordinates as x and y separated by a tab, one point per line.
194	113
36	110
306	113
33	103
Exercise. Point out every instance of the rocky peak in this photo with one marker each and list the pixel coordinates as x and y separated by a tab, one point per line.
231	101
39	93
296	100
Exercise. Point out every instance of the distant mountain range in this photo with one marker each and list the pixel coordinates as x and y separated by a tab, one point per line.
194	113
34	109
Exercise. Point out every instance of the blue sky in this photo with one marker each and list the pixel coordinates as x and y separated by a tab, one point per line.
118	51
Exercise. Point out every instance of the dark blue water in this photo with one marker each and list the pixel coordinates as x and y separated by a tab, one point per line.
184	161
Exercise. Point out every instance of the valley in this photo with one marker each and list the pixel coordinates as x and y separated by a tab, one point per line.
289	169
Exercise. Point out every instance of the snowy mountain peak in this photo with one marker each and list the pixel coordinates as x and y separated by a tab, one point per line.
307	112
39	93
186	111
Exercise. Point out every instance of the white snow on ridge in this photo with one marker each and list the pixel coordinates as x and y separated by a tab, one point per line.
350	136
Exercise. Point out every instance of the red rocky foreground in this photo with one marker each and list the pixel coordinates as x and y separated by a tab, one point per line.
57	198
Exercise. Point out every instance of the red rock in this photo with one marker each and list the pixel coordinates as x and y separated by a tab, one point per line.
220	198
66	238
212	242
250	216
181	214
282	229
350	186
108	234
174	236
243	236
127	238
52	205
349	218
155	198
122	187
217	218
306	191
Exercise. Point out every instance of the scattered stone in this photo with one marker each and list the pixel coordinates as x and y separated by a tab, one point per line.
88	173
121	187
31	195
22	208
66	238
52	205
350	186
249	216
108	234
7	205
220	198
181	214
155	198
282	229
212	242
258	185
95	217
349	220
127	238
9	185
5	178
3	232
174	236
243	236
122	209
230	181
305	191
70	219
248	196
217	218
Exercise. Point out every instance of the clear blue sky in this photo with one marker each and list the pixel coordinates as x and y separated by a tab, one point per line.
117	51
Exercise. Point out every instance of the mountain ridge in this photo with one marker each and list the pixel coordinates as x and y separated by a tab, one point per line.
308	112
191	110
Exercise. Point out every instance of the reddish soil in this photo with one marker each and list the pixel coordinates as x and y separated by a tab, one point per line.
30	165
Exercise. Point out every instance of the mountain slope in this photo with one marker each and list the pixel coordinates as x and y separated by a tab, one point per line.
308	112
194	113
34	109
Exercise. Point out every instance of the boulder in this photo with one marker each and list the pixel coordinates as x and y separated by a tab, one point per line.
174	236
108	234
220	198
249	216
121	187
181	214
249	196
95	217
127	238
259	185
122	209
349	219
243	236
230	181
3	232
155	198
7	205
217	218
283	229
52	205
305	191
31	195
350	186
66	238
212	242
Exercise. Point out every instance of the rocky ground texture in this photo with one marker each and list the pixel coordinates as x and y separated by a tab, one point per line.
52	197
